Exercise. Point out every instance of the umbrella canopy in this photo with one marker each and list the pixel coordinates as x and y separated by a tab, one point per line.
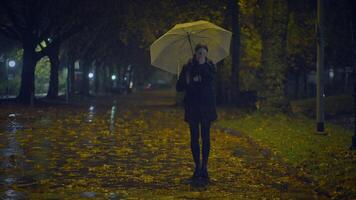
175	47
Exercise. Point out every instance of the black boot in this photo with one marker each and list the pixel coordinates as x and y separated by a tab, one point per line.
204	172
194	144
197	173
205	129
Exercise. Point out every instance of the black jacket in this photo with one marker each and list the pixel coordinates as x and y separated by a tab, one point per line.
199	99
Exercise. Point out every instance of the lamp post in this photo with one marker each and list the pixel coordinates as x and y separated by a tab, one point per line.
353	34
9	64
353	145
320	68
113	78
68	84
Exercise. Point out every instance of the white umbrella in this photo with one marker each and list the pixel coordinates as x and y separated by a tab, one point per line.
175	47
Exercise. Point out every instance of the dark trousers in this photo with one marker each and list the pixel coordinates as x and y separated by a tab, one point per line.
194	142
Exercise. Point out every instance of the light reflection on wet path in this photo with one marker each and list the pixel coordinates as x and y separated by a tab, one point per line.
12	157
32	153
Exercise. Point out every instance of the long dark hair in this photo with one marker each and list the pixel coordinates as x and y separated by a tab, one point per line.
198	46
193	60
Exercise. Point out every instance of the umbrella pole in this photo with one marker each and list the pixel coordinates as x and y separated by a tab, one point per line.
190	43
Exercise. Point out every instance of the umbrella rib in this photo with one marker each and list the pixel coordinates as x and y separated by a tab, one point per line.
166	35
175	41
183	43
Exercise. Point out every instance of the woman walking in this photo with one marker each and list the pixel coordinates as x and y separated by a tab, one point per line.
197	80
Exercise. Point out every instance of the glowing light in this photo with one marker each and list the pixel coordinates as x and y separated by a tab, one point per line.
113	77
331	73
12	63
90	75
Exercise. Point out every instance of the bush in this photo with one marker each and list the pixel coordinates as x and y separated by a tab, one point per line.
332	105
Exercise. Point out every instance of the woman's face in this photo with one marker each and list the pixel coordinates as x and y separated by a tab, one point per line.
201	54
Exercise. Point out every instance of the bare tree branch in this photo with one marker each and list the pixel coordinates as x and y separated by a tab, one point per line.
10	32
16	21
7	33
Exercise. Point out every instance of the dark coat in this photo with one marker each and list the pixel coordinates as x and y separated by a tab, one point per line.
199	99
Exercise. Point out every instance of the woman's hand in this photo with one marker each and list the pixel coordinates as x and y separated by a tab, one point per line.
197	78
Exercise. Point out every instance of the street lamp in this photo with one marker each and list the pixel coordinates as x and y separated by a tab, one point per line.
10	64
113	77
353	42
91	75
320	68
331	73
353	145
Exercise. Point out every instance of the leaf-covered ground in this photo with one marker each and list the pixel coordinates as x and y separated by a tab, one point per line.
326	158
136	147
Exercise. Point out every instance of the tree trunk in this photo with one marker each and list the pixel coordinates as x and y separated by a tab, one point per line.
305	84
97	78
30	58
85	80
53	81
71	74
235	49
107	79
274	63
296	88
103	78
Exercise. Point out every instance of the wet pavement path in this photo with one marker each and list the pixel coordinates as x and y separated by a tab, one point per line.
127	148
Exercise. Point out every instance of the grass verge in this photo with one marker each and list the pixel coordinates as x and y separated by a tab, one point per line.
326	158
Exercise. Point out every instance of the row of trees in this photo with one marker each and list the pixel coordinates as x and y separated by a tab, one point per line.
65	31
271	38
